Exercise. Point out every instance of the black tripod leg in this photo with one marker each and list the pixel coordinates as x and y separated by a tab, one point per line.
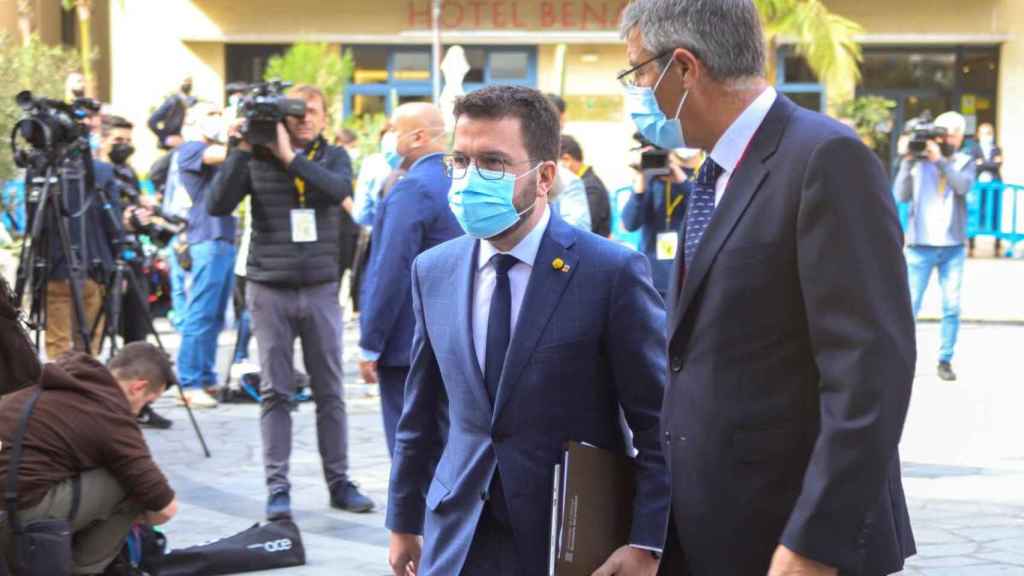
133	280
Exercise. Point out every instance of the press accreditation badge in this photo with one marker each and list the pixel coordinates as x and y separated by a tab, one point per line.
303	225
667	245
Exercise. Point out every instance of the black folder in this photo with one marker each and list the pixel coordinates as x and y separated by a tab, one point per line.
592	508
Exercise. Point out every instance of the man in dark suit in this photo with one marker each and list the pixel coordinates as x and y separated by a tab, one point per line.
539	334
412	217
791	340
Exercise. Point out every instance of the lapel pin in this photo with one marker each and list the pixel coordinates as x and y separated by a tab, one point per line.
560	265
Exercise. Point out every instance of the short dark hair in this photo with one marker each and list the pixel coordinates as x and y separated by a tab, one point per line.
557	101
112	122
538	119
571	147
143	361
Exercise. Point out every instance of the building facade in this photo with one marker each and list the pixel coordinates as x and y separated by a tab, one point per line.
933	55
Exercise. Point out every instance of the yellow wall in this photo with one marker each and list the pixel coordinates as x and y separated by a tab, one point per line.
1010	129
922	16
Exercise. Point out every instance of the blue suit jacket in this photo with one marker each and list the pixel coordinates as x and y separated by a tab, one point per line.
413	217
590	338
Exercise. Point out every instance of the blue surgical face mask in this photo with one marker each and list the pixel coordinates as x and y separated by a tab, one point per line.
484	207
642	105
389	148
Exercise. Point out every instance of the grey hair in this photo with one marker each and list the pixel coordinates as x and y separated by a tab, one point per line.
725	35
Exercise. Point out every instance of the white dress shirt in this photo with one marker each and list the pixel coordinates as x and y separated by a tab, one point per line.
733	144
518	276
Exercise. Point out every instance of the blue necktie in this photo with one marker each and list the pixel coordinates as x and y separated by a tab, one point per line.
702	206
499	323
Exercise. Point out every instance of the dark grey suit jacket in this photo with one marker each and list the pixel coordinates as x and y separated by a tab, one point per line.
791	357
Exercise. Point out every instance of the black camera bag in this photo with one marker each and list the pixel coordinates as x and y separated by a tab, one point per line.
275	544
41	548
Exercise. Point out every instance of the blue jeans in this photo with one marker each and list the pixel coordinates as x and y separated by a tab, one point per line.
179	296
212	276
949	260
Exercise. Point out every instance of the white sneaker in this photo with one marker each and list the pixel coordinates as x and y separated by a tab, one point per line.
240	369
199	399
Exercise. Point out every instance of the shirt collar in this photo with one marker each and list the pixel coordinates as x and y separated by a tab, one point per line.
527	249
730	147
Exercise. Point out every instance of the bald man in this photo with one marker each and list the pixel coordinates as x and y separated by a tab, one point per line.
412	217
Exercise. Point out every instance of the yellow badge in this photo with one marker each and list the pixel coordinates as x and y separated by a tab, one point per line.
558	263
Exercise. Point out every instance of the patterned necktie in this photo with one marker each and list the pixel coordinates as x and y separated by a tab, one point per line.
702	206
499	323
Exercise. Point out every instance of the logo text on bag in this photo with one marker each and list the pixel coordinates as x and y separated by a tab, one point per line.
273	545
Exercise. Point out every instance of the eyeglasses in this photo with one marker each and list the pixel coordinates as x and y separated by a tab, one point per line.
628	77
489	167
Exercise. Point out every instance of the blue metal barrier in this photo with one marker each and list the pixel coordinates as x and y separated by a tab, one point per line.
994	210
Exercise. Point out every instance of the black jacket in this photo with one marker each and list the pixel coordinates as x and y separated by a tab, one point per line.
273	258
168	119
600	205
88	221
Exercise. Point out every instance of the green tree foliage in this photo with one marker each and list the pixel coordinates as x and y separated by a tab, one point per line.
319	65
826	40
872	115
33	66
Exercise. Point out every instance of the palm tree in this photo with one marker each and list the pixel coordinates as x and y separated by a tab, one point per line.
83	9
827	41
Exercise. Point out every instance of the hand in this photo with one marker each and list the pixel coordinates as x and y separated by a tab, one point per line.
144	215
369	371
639	183
932	151
785	562
283	148
629	561
678	176
174	141
404	553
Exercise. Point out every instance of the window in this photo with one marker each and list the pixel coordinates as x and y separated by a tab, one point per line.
898	69
410	66
507	66
477	59
247	62
371	64
797	81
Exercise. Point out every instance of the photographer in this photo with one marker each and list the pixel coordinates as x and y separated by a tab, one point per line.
297	184
84	458
657	208
211	249
934	177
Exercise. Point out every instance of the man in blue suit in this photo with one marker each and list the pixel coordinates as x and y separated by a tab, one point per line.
412	217
538	334
791	341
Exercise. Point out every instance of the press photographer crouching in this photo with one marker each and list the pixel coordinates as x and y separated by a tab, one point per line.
935	177
298	184
84	459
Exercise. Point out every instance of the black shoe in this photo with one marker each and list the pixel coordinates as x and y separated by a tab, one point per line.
148	418
279	506
946	372
346	496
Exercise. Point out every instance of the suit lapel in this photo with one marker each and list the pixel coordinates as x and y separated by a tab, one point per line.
744	184
464	328
543	294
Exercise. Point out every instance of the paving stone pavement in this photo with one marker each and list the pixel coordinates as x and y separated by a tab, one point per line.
966	495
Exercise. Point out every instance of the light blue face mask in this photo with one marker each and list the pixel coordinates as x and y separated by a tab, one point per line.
642	105
389	148
484	207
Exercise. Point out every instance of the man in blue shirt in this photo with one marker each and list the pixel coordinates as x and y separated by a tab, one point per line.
657	209
211	245
412	217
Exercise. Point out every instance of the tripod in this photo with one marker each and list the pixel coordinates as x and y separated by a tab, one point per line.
124	276
48	193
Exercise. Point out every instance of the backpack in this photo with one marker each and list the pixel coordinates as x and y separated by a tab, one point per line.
19	361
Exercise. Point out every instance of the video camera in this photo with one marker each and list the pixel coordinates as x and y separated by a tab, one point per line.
49	126
263	107
162	227
653	160
923	130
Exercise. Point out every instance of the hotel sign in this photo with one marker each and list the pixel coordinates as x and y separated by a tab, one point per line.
575	15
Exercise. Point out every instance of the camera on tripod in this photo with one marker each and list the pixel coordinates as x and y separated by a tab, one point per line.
923	130
263	107
49	126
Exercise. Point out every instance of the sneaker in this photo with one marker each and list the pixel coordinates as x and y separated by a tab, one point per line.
279	506
197	398
946	372
239	369
148	418
348	497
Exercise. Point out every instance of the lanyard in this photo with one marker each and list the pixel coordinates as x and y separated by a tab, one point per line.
300	184
670	204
